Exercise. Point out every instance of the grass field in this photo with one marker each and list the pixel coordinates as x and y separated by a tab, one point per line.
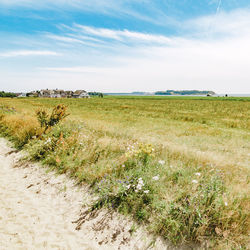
177	164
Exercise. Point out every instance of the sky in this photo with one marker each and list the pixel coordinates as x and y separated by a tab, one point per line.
125	45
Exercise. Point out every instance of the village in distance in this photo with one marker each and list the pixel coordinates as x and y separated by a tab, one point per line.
59	93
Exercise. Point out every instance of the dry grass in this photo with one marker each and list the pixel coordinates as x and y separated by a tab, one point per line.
205	135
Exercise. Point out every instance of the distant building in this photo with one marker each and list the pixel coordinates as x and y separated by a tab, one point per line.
46	93
80	94
59	93
21	95
32	94
68	94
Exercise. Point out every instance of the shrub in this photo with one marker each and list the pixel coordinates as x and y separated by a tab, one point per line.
47	121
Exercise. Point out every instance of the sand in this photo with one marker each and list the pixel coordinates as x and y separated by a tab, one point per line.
38	210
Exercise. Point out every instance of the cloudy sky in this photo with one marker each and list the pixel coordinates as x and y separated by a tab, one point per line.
125	45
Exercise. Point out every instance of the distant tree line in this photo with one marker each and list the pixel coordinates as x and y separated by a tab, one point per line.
184	92
99	94
7	94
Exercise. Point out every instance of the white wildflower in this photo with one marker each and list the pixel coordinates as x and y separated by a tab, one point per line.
226	204
198	174
140	182
128	186
48	141
161	162
194	181
156	178
146	191
123	165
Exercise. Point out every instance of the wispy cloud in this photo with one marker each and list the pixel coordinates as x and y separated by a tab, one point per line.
233	23
28	53
107	38
115	8
217	26
123	35
67	39
107	6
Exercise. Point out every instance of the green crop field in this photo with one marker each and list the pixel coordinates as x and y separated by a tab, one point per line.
179	165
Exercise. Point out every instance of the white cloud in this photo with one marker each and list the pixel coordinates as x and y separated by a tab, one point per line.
28	53
106	6
214	27
66	39
221	66
234	23
115	8
103	37
123	35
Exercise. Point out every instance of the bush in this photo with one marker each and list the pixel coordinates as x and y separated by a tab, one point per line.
47	121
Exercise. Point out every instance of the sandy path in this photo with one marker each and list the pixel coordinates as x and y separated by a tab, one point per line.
37	209
33	220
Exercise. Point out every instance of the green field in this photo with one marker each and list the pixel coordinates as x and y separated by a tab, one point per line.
180	165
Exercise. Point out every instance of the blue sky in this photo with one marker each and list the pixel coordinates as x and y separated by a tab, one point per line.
125	45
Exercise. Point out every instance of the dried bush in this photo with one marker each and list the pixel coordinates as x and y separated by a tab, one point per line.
47	121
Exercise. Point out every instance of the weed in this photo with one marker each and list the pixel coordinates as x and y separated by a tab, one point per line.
47	121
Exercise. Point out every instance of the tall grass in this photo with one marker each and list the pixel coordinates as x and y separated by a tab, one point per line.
176	165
